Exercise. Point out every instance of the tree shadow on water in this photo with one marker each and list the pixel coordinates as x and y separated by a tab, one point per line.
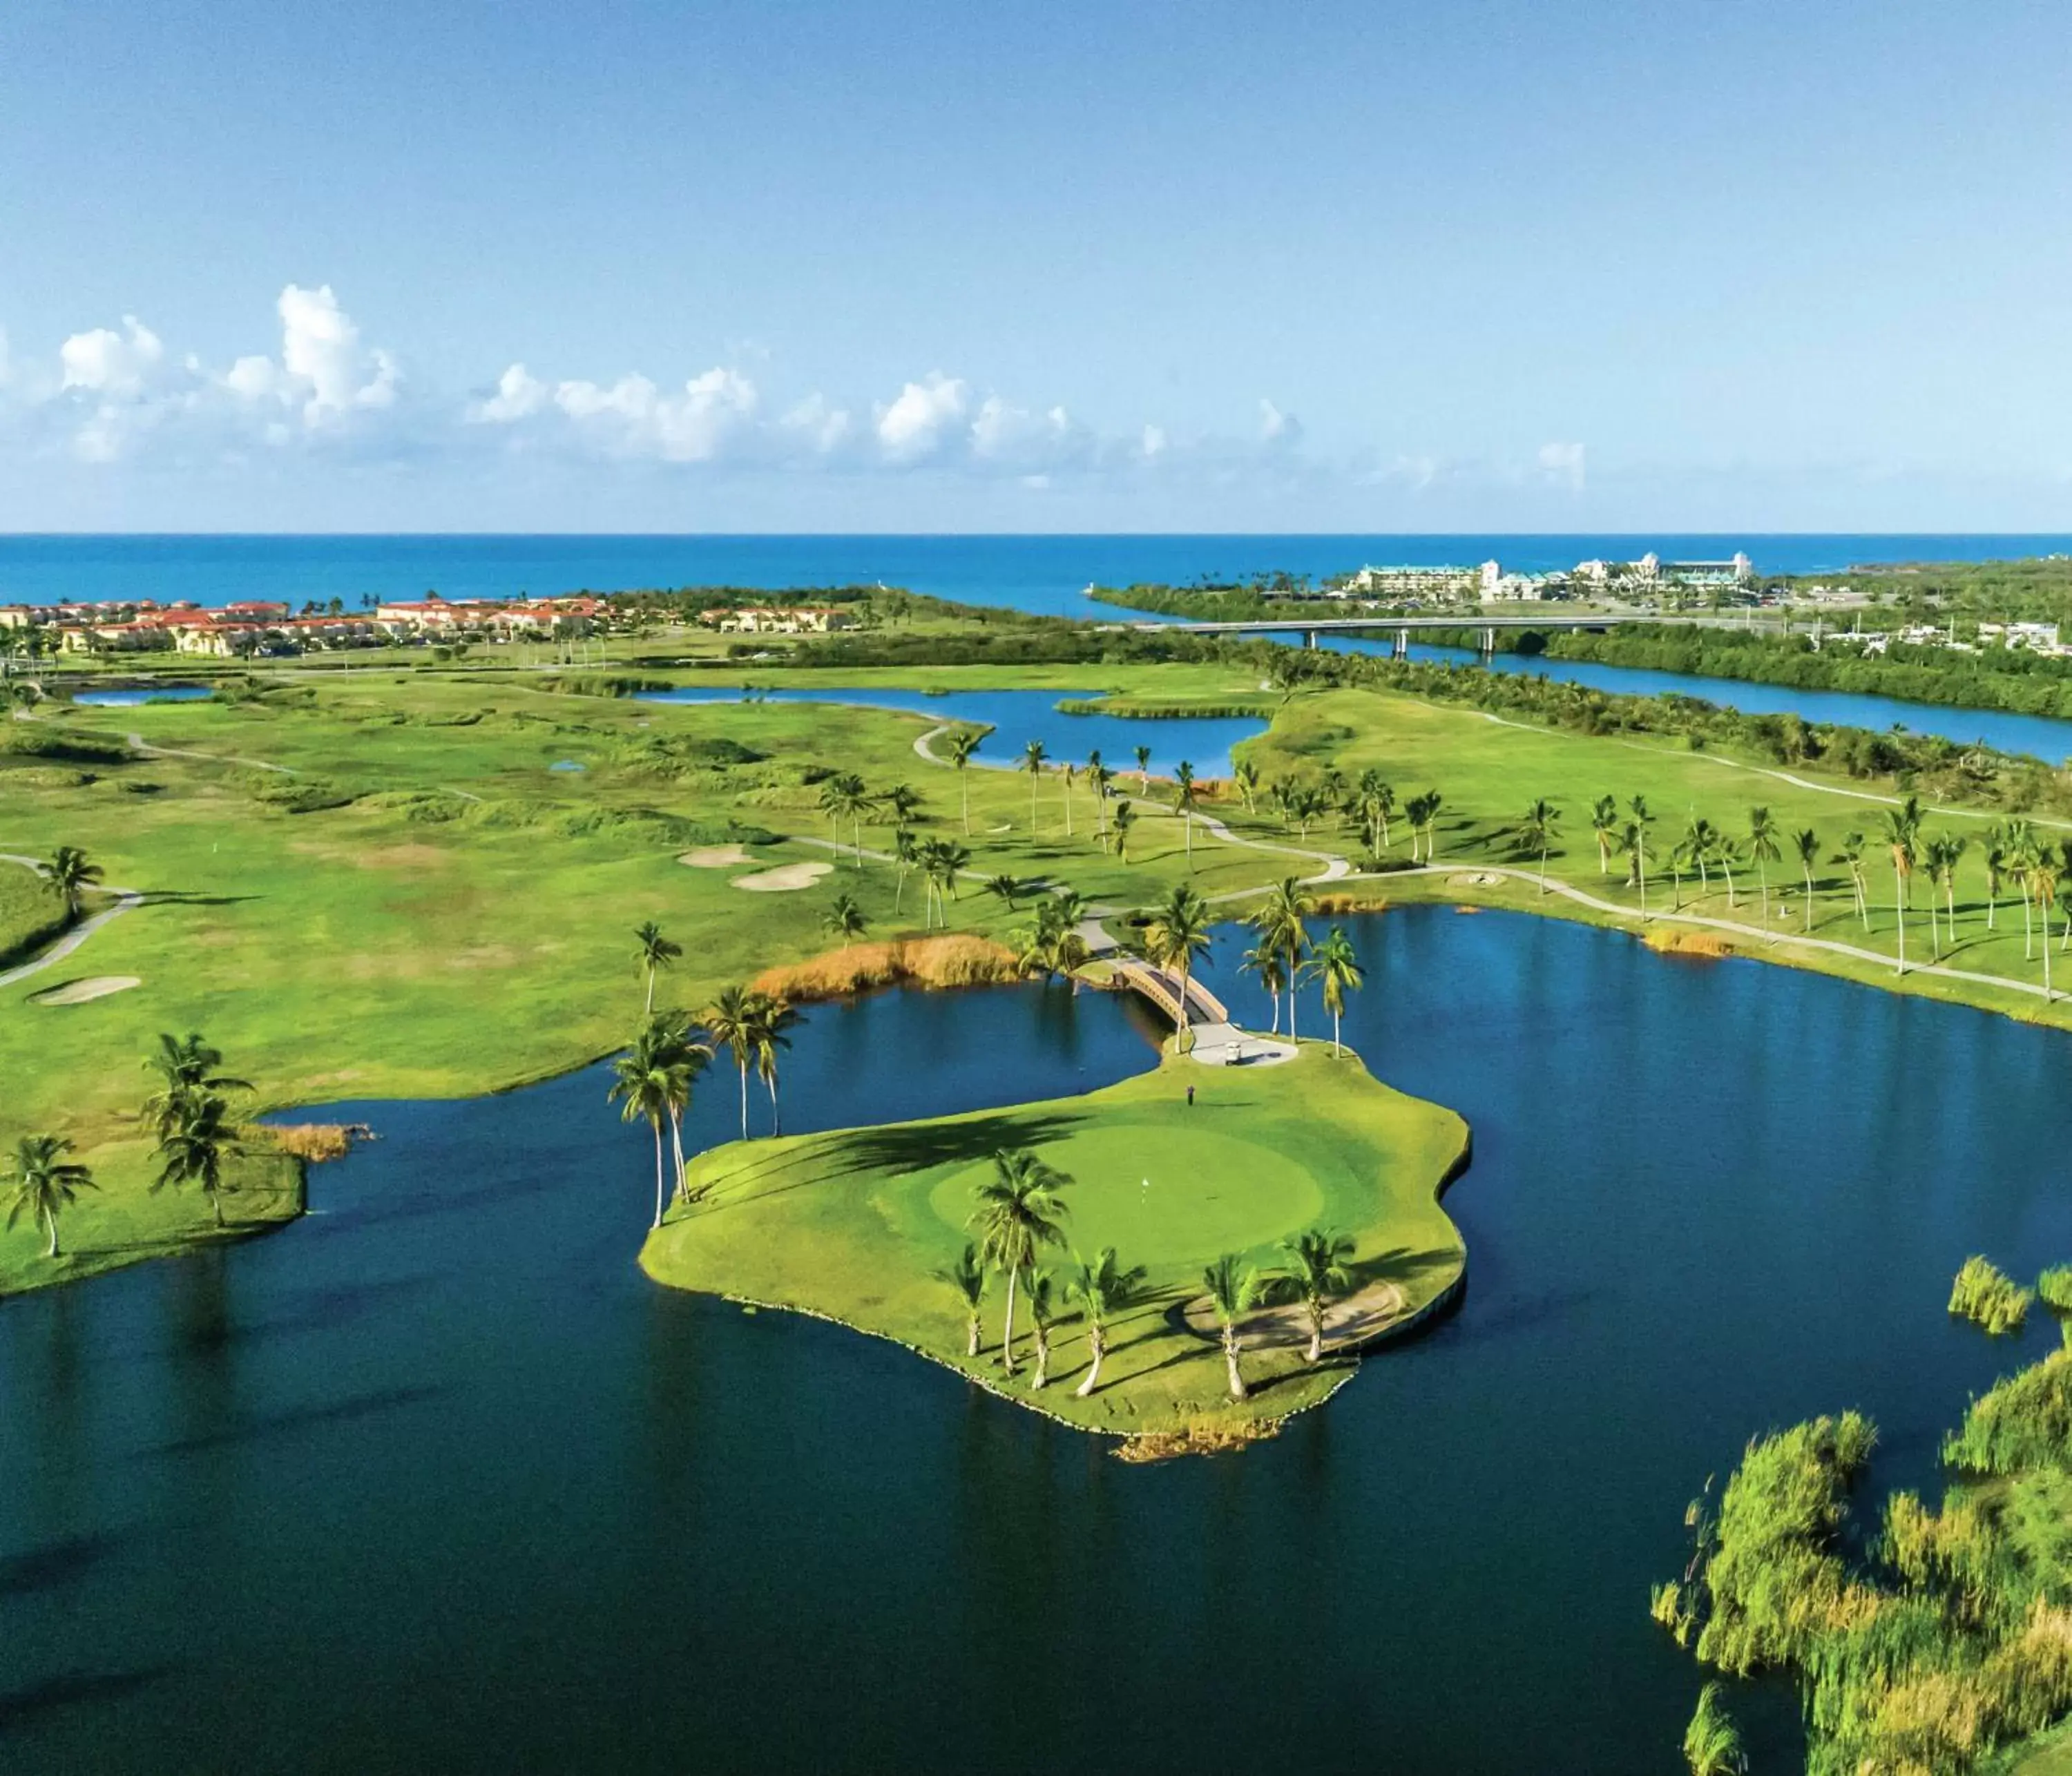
54	1564
21	1708
298	1418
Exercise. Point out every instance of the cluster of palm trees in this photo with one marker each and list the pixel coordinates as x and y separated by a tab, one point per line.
1051	942
1282	956
1019	1214
190	1114
845	797
652	1080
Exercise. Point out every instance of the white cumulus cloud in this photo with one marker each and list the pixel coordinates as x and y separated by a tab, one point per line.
633	417
104	362
916	424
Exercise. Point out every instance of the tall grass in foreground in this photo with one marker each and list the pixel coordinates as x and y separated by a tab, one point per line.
1987	1295
1928	1647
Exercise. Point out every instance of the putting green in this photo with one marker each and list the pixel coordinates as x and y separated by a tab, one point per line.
859	1224
1163	1194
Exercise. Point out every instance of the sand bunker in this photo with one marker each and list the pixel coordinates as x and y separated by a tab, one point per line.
77	992
1481	879
783	878
715	856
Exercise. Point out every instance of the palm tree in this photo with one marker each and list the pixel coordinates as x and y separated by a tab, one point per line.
845	919
734	1020
1033	756
1642	820
188	1071
905	856
1807	845
1537	830
1280	922
2022	847
1604	827
1018	1213
1125	817
1007	887
45	1183
1433	802
71	873
1373	802
777	1018
650	1083
1996	864
191	1150
1234	1292
1852	855
968	1277
656	952
2043	884
1701	840
963	743
1043	1317
1316	1268
1902	829
942	861
1099	777
1178	926
1246	774
1144	770
1183	802
1103	1290
1065	777
1712	1744
1264	960
843	797
902	801
1762	852
1953	847
1338	966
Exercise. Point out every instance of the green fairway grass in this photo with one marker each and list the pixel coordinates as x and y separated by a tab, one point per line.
414	902
854	1225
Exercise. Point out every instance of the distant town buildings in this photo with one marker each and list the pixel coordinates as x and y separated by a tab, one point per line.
791	620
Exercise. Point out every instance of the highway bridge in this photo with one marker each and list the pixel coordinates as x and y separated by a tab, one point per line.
1402	628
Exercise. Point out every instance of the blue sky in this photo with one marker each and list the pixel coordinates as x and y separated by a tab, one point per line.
1483	264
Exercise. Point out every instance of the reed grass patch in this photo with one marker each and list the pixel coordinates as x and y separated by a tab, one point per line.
1987	1297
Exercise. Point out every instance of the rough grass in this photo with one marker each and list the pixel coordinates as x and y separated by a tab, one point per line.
1987	1297
31	911
951	959
854	1225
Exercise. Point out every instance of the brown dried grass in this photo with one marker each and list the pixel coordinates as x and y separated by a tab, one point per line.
1668	943
315	1142
952	960
1199	1436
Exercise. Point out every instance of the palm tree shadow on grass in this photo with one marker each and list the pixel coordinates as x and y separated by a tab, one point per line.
182	896
899	1149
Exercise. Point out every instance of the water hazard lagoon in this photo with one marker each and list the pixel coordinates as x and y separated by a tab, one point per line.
436	1478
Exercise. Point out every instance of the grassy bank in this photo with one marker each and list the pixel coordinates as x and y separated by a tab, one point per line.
854	1225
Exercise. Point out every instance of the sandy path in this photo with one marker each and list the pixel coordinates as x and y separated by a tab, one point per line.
80	993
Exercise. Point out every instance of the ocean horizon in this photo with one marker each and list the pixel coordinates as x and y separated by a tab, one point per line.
1044	573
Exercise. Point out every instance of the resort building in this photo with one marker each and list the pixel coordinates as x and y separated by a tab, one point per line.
763	620
1406	582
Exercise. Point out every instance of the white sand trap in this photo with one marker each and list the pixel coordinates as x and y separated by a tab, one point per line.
715	856
77	992
1480	879
784	878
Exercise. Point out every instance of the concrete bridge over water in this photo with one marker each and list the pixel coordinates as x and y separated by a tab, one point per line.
1402	628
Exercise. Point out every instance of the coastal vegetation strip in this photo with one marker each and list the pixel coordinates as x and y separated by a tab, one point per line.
862	1226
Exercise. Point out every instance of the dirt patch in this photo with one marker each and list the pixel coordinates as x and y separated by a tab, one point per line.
786	878
715	856
78	993
402	857
1688	944
948	961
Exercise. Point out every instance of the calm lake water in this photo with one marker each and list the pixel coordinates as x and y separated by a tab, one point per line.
1019	717
131	699
437	1480
2038	736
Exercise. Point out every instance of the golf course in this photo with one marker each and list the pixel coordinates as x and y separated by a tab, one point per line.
864	1226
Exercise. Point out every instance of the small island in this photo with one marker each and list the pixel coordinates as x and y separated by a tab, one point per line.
869	1227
